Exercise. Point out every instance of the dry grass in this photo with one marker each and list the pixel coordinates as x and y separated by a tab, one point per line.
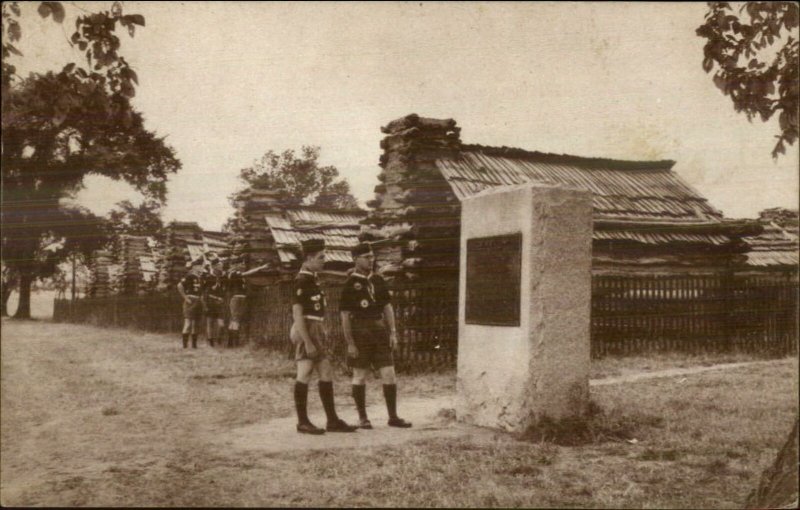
665	444
105	417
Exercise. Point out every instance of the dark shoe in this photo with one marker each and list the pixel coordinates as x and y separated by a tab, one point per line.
340	426
399	422
309	428
364	424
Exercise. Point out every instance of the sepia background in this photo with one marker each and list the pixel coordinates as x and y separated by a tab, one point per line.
226	81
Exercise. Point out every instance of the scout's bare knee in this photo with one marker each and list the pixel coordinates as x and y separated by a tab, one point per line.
304	369
359	376
387	375
325	371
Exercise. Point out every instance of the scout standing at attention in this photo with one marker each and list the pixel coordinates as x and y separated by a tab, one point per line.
307	335
190	288
236	289
213	301
366	312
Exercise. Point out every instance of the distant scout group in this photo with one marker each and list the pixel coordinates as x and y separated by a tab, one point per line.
368	325
203	291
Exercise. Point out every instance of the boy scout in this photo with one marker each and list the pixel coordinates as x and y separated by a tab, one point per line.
190	288
213	300
236	290
366	312
307	335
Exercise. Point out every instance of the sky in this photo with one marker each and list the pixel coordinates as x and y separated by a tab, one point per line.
227	81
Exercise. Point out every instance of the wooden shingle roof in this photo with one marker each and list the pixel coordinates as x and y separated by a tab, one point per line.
644	201
623	190
291	225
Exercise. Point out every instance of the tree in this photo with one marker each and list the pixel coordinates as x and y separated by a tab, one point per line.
754	56
337	196
299	179
59	127
142	220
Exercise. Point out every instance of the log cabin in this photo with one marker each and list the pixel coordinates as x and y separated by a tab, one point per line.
647	219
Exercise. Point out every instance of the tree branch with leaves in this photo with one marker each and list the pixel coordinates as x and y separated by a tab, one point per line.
753	53
299	179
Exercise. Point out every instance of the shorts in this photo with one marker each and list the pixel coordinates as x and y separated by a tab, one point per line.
237	305
213	308
316	330
193	309
372	342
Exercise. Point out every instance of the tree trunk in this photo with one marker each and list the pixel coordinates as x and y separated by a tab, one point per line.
778	487
7	290
24	307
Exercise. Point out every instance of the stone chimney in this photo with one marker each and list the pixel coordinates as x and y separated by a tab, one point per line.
413	202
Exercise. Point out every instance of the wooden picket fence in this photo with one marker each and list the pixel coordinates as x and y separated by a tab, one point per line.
630	315
694	313
426	315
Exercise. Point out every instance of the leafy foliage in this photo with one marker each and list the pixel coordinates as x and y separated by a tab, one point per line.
59	127
94	36
754	56
142	220
299	179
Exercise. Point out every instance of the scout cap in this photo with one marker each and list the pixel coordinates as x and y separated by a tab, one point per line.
312	246
361	249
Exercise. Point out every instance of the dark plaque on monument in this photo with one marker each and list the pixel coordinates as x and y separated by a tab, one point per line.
493	280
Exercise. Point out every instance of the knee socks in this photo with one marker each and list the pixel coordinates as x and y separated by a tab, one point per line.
360	397
300	401
185	337
194	341
390	394
326	395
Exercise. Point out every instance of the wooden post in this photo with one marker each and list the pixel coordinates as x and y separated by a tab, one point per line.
73	277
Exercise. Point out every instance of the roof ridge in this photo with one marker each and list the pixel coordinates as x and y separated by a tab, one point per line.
356	211
548	157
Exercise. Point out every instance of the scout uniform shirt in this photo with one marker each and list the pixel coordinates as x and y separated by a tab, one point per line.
192	286
213	286
364	296
236	283
308	294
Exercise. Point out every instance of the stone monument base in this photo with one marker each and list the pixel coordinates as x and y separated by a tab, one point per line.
523	357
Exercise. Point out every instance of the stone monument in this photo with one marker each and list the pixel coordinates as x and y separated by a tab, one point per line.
524	306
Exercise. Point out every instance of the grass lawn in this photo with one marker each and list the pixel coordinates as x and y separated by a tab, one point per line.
699	443
98	417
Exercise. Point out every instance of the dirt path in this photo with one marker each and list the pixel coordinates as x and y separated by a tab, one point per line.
432	417
108	417
677	372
